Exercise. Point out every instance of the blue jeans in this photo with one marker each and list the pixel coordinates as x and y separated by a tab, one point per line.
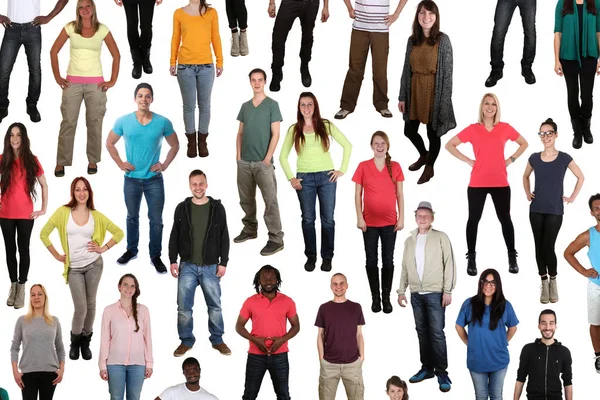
153	190
121	377
190	276
30	37
195	83
317	184
279	369
488	384
429	322
502	18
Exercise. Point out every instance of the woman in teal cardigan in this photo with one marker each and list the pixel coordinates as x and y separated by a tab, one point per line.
576	41
81	238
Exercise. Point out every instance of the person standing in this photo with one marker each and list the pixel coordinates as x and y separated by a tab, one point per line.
200	237
23	27
190	390
237	16
256	142
143	131
269	311
429	270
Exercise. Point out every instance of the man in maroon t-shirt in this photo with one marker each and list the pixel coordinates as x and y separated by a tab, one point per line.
341	347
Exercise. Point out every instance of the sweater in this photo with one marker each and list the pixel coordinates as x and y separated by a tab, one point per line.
439	274
43	348
192	37
59	220
568	26
443	112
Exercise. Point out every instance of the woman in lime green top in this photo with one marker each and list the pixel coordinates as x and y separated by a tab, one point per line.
576	33
316	176
81	229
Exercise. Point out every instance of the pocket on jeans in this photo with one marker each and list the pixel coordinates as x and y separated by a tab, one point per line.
181	67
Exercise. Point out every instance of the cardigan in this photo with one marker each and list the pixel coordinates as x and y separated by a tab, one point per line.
568	26
59	220
443	112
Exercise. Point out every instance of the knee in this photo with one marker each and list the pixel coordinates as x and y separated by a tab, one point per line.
188	108
308	219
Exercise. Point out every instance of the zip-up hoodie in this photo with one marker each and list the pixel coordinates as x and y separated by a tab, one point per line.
215	248
439	274
544	365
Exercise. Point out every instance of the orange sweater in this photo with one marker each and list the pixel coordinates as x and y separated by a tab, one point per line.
192	37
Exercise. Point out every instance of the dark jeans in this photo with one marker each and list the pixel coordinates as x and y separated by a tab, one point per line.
501	199
577	76
545	229
279	369
317	184
429	323
38	382
411	131
289	10
237	15
388	242
31	38
139	12
22	229
502	18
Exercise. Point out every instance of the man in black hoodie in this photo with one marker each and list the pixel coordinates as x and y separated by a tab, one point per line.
200	237
545	361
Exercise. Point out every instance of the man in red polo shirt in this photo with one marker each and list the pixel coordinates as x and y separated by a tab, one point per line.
269	311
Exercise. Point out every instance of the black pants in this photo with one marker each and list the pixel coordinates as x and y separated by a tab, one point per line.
545	229
388	242
237	15
38	382
141	39
577	76
502	18
279	369
22	229
501	199
411	131
289	10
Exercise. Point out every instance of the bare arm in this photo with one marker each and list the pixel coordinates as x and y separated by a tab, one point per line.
56	47
114	52
390	19
238	142
41	20
111	141
522	146
518	390
44	185
320	343
511	332
569	392
579	243
358	191
557	64
361	342
526	181
400	202
172	141
451	147
579	175
462	333
272	143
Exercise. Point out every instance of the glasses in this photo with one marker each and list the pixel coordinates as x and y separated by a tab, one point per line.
547	133
485	282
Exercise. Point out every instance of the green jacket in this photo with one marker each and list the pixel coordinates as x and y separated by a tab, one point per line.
568	26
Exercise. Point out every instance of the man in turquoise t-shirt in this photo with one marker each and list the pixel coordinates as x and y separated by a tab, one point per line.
143	132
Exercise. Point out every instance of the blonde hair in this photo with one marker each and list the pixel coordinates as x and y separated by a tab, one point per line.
388	158
497	116
47	316
78	23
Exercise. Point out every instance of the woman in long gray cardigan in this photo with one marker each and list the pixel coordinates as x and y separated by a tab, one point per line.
426	86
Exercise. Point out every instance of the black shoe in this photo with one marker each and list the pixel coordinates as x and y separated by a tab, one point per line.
86	353
75	343
310	264
275	85
597	364
585	128
528	75
513	267
145	53
271	248
136	56
494	77
243	236
306	78
3	113
34	114
92	170
126	257
471	264
577	133
158	265
326	266
419	163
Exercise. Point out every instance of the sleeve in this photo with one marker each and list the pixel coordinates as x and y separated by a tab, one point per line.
344	142
558	19
465	135
117	233
168	127
286	148
40	170
567	159
320	320
597	17
450	274
532	160
246	312
58	342
224	253
275	112
17	340
463	314
358	175
566	372
512	133
240	116
48	228
216	40
361	316
70	28
174	237
397	172
523	370
167	394
406	74
291	312
175	39
510	317
118	126
404	274
104	339
103	31
148	339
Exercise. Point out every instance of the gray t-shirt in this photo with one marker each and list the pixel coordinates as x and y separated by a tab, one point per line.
257	127
548	187
43	347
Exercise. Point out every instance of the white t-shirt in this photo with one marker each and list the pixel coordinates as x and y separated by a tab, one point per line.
181	392
78	238
23	11
369	15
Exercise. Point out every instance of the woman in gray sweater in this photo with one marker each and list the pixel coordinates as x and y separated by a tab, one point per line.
42	361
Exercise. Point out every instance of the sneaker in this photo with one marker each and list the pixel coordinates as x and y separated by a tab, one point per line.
34	114
444	382
597	364
423	374
342	114
385	113
222	348
271	248
310	264
243	236
181	350
326	265
126	257
158	265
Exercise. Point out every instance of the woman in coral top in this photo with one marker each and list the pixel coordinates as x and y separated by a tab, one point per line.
488	138
126	343
195	28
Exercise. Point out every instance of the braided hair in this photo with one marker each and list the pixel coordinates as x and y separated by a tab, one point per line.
134	309
267	268
388	158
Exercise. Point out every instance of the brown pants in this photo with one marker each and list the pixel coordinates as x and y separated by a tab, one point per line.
95	108
351	375
360	43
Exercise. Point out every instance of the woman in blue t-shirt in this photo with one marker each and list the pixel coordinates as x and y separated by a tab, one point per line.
492	323
546	209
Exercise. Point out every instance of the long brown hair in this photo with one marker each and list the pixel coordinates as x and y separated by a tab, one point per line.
568	8
388	158
134	310
29	166
418	37
203	6
396	381
48	318
317	121
78	23
90	201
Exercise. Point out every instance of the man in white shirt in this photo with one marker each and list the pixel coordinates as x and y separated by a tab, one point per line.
190	390
22	24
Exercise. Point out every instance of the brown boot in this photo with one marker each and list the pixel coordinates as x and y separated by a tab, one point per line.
419	163
191	150
202	147
427	175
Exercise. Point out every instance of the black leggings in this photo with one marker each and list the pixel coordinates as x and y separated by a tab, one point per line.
501	199
38	382
580	76
22	229
545	229
237	15
411	131
141	39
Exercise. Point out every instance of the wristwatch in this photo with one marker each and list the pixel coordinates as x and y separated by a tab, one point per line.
513	159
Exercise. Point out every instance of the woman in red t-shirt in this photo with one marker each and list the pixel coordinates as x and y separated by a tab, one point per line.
20	170
380	179
488	137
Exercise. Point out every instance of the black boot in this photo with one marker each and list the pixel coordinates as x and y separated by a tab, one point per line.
75	343
471	264
373	276
136	72
513	267
305	73
585	128
145	53
275	85
387	276
86	353
577	133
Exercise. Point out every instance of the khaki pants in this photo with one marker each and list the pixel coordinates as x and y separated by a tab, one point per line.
351	375
95	108
360	43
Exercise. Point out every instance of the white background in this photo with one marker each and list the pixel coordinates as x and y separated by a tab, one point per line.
391	341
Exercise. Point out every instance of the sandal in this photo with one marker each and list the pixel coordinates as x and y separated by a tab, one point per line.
342	114
385	113
59	173
92	170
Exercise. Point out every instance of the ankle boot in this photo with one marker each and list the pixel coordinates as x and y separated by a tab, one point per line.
545	295
75	343
19	296
513	267
191	146
387	277
145	53
244	51
86	353
373	276
471	264
577	133
586	130
10	301
202	146
235	44
427	175
136	72
553	290
419	163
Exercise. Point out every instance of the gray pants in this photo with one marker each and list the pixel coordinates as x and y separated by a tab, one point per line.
251	174
83	283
